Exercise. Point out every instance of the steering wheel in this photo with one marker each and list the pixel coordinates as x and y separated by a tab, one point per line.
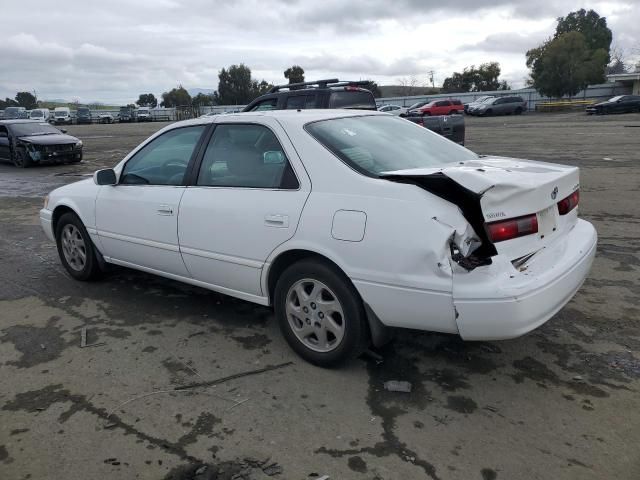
174	168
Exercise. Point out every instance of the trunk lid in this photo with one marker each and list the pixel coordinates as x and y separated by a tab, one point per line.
508	188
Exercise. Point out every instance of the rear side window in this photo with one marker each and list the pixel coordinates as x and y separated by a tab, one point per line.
270	104
300	102
456	102
443	103
248	156
358	99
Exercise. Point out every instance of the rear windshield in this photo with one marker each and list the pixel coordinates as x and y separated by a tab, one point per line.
27	129
359	99
376	144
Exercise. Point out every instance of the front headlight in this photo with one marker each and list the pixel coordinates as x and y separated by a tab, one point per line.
46	201
79	144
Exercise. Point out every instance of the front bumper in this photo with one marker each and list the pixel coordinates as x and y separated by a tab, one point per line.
499	302
46	223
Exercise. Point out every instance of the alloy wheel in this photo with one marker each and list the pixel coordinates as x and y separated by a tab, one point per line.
315	315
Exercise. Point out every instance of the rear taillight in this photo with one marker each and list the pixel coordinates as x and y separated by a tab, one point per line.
512	228
567	204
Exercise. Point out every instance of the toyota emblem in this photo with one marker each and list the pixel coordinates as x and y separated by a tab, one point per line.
554	193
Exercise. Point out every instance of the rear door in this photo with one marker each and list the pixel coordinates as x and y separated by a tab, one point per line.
246	200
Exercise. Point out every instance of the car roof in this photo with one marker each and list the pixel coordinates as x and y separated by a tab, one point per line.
290	117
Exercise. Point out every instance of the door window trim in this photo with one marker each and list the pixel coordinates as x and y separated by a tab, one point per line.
194	156
191	177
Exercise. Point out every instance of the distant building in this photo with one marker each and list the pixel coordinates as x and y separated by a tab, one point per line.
629	79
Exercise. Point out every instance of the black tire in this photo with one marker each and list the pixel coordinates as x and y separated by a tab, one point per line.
91	268
487	113
21	159
355	331
518	111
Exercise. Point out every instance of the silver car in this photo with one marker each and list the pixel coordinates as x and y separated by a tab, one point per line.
500	106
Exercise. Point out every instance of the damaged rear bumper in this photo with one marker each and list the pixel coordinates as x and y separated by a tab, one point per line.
499	301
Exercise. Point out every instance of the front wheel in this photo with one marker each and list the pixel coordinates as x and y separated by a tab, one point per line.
320	313
21	159
75	248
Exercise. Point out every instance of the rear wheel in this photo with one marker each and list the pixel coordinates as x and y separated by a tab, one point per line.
76	251
518	111
320	313
488	112
21	159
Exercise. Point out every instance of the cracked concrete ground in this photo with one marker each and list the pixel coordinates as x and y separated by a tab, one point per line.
560	403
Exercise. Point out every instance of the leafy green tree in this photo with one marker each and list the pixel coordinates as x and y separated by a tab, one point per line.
236	87
147	100
177	97
484	78
586	41
565	65
8	102
202	100
27	100
594	28
295	74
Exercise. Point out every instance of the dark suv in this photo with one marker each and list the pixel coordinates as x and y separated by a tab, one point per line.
319	94
83	115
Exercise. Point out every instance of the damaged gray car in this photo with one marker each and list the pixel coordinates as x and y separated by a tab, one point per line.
27	142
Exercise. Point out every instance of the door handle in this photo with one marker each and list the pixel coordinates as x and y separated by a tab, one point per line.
278	221
165	210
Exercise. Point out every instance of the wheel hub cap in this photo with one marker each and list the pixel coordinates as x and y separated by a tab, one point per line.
73	247
315	315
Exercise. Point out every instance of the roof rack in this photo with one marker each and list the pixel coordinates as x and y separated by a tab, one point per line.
332	82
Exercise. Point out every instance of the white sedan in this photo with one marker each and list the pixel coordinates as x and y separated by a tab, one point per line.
347	223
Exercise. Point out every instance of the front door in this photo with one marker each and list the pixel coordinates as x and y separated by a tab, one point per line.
5	151
137	219
247	200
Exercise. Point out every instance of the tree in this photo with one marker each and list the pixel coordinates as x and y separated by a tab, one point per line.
564	65
147	100
373	88
8	102
484	78
236	87
202	100
594	28
177	97
27	100
295	74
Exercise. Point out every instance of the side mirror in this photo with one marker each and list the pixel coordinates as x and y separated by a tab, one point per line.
105	177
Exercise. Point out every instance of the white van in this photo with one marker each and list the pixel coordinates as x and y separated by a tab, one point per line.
41	114
62	115
144	114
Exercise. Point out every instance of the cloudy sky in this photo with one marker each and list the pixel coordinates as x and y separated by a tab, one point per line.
113	50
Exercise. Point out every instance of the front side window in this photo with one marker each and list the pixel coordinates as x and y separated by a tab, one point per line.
245	155
164	160
373	145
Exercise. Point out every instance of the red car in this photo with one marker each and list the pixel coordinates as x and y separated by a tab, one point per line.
440	107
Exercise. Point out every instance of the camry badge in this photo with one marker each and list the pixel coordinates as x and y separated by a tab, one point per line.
554	193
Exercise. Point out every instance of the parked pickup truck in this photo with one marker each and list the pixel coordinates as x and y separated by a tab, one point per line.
451	127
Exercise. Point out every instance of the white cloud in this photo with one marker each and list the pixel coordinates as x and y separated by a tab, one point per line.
112	51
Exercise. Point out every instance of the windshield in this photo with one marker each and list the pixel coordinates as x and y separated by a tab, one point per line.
615	99
28	129
60	113
488	100
36	113
373	145
417	105
83	111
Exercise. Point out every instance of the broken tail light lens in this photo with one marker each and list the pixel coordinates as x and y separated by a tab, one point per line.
567	204
512	228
